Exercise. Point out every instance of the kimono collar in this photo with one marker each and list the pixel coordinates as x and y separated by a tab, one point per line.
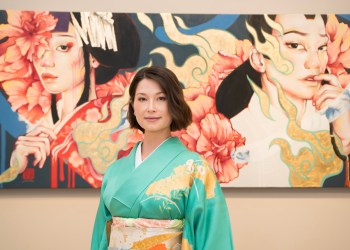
138	156
141	177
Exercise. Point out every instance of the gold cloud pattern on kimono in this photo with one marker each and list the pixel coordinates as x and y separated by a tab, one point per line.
183	178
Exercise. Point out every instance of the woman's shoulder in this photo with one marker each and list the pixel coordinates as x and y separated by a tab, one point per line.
185	152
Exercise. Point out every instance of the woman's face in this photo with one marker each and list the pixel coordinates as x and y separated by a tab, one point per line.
61	68
151	107
304	44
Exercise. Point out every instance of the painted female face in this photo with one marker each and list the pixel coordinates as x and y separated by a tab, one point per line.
61	68
151	107
304	44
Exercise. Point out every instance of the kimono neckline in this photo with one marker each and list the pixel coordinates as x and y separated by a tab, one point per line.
140	178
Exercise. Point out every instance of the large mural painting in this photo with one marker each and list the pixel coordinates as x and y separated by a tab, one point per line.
269	94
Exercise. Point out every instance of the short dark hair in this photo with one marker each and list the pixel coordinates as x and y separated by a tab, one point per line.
178	108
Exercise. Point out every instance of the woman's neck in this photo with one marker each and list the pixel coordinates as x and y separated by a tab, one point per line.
92	90
151	141
69	100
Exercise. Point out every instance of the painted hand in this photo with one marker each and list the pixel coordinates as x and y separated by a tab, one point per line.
36	143
328	92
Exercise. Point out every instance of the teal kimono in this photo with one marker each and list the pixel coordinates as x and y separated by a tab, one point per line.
172	183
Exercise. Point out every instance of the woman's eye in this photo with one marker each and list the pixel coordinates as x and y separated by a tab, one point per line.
141	99
323	48
162	98
295	46
64	48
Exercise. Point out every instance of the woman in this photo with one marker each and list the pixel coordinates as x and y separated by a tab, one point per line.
84	49
284	98
161	194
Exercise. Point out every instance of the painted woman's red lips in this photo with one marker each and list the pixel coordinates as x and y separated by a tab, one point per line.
48	76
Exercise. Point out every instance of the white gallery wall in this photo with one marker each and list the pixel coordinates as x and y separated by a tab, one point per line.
264	219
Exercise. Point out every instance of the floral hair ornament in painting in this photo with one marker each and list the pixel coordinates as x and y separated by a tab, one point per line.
98	26
26	35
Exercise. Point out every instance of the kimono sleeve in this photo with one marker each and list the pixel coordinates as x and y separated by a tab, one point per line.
207	222
99	237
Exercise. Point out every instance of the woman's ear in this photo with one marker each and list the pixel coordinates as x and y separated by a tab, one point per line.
257	60
93	62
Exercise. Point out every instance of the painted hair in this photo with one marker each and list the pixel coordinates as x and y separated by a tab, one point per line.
178	108
110	61
235	92
258	22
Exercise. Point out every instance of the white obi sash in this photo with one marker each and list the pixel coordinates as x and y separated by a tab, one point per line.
140	233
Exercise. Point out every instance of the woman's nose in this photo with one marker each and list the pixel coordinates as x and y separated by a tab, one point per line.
151	106
47	59
312	60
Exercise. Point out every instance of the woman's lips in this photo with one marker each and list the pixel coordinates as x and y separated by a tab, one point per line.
152	118
48	76
311	79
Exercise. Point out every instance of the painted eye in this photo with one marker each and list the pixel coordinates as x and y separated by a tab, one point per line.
64	47
323	48
295	46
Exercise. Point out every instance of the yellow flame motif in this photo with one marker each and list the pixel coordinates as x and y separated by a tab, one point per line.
263	99
11	173
197	67
312	165
93	138
145	20
270	47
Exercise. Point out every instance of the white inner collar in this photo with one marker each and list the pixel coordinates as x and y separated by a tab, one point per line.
138	156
